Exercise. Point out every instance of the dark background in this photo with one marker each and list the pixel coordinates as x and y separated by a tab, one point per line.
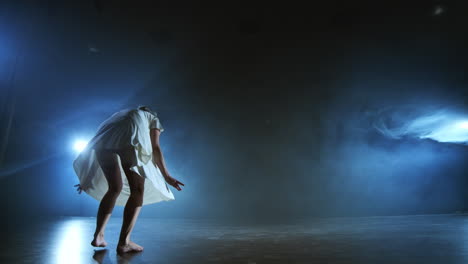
267	107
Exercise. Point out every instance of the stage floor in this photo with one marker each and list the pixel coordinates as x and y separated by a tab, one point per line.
402	239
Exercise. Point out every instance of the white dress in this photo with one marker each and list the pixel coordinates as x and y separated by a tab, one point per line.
128	127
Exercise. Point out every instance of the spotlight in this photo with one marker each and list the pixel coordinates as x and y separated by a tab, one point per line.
463	124
80	145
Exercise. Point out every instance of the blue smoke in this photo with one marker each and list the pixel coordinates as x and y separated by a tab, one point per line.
447	125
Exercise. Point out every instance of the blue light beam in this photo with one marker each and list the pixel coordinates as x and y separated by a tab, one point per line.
446	126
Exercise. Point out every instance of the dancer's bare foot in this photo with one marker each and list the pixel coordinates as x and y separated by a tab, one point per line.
129	247
99	241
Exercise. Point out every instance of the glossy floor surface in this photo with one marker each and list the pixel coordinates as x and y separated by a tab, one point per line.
403	239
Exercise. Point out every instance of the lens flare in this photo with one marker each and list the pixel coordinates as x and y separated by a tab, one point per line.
80	145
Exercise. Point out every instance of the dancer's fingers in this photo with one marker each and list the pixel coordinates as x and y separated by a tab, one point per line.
78	188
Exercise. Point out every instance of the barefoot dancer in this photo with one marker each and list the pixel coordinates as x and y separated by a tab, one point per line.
122	162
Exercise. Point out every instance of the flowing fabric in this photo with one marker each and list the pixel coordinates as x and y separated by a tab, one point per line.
124	129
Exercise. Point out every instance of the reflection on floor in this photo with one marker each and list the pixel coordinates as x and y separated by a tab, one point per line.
402	239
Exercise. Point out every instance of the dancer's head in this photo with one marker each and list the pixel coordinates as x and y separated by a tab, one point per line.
146	108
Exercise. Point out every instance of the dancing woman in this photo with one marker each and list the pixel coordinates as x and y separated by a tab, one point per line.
123	164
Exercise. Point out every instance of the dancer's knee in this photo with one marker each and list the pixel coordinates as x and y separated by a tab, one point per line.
114	189
137	190
136	194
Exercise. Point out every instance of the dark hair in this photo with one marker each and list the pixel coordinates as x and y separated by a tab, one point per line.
147	109
144	108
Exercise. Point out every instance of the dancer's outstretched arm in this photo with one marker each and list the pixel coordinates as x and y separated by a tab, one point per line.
159	159
157	152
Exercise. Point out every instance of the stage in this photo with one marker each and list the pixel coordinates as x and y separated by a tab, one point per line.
397	239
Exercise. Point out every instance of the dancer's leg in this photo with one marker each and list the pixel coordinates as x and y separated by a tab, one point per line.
131	212
110	166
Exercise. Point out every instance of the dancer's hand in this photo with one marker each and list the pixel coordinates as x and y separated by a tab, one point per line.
78	188
174	182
